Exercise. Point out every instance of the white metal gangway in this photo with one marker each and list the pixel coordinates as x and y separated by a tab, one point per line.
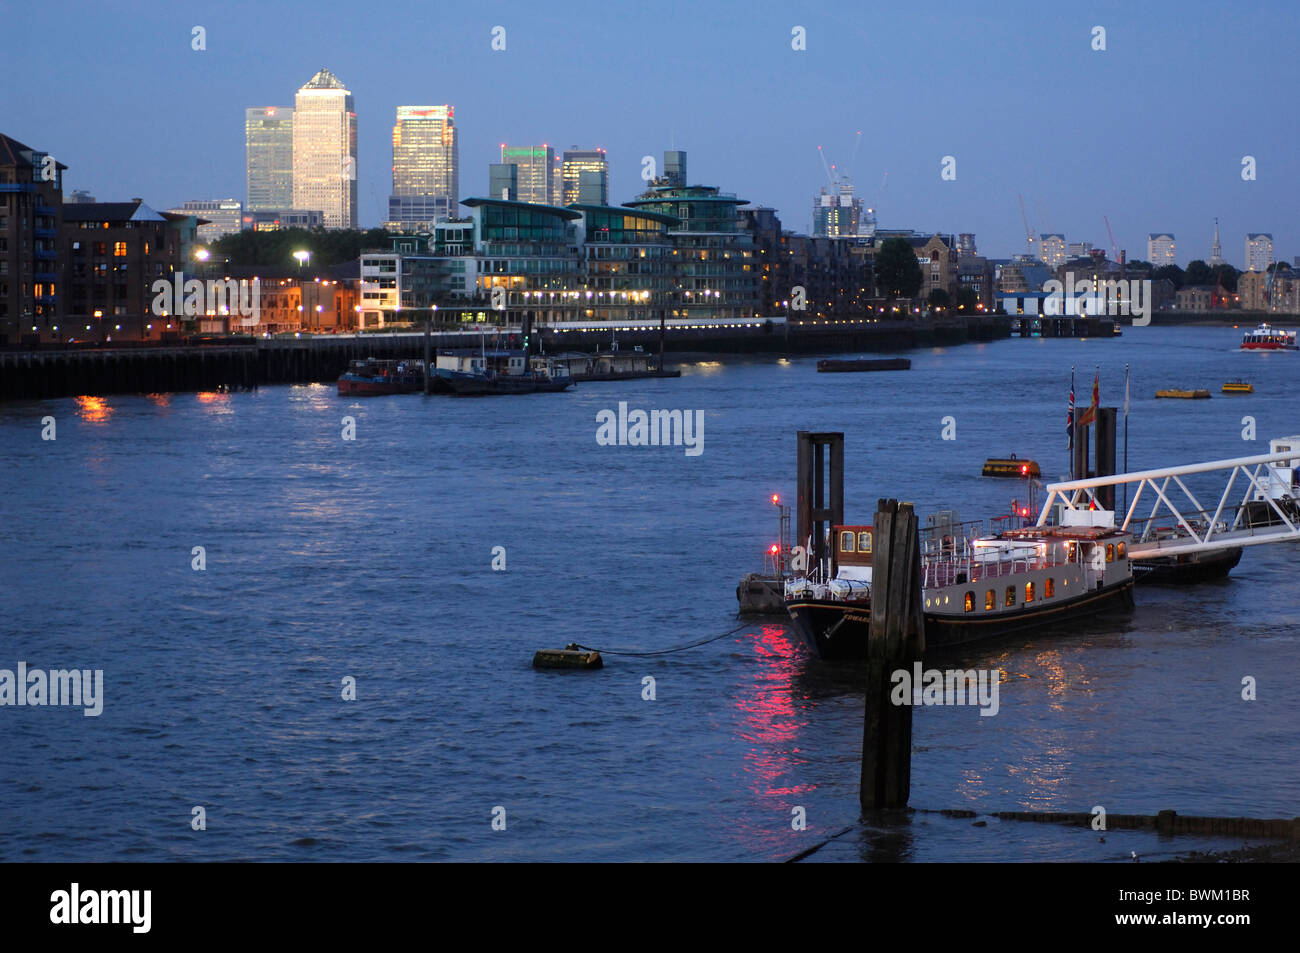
1267	510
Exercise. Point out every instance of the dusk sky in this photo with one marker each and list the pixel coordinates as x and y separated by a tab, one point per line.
1150	132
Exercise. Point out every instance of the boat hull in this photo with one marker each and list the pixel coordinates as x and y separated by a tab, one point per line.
367	387
1186	569
838	631
485	387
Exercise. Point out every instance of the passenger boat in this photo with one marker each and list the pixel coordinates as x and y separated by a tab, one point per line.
1265	338
1180	394
974	588
1238	386
370	377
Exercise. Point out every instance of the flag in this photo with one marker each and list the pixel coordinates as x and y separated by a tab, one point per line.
1126	392
1069	416
1089	416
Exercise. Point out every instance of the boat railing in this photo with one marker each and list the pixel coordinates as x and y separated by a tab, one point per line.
949	571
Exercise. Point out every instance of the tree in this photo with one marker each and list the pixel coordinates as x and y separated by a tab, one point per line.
898	274
1198	273
1227	276
327	247
967	298
1172	272
938	298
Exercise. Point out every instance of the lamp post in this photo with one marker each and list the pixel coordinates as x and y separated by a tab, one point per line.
302	256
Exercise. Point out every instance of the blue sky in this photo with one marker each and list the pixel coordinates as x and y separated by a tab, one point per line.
1151	132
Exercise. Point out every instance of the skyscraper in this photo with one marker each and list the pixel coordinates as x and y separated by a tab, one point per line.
268	150
578	161
325	150
536	171
426	167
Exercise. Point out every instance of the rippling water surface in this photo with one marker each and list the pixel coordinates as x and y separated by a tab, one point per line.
372	559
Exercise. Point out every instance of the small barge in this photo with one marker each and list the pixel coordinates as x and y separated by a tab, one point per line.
1010	466
885	364
1178	394
1238	386
370	377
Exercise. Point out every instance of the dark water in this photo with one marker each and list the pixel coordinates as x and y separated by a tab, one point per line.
372	559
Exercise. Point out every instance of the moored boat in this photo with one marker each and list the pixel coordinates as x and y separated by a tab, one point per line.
507	372
1010	466
1180	394
1238	386
371	377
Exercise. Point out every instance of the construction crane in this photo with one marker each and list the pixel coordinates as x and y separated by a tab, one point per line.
1114	249
1029	232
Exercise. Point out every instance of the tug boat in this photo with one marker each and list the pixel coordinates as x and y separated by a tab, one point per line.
370	377
974	588
1266	338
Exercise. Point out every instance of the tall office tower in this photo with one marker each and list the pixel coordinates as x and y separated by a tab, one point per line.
224	216
1160	249
536	171
578	161
325	150
675	168
426	167
503	181
1259	251
1216	250
837	213
268	151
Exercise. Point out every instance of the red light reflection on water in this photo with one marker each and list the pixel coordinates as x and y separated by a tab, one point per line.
769	725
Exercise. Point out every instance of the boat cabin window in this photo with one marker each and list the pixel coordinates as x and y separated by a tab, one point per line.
1049	587
1029	592
1070	550
1121	550
864	542
970	602
846	541
1110	552
1010	599
990	600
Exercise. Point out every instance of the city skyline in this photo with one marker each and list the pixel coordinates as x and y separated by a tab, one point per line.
757	133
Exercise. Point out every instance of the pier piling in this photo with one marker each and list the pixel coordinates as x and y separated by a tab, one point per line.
821	490
896	641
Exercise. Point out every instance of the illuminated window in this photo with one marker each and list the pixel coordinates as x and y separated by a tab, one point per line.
990	600
1110	552
1029	592
1070	550
1122	551
864	542
119	249
1049	587
1010	596
846	541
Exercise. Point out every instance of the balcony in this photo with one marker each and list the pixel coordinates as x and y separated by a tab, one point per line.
45	210
45	232
17	187
45	276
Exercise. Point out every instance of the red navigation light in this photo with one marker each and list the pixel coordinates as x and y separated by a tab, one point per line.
776	498
1024	468
773	550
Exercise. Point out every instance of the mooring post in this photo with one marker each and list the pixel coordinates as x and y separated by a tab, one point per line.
896	641
820	501
428	340
1104	454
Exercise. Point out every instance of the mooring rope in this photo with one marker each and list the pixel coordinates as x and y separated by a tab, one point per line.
678	648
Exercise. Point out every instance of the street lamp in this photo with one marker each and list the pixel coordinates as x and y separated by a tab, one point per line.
301	256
